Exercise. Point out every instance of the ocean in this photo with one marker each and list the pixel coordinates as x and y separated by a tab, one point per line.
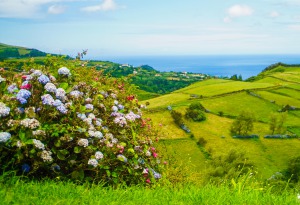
216	65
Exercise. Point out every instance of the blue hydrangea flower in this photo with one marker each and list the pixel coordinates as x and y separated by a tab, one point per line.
4	136
55	167
23	95
121	107
62	109
76	93
47	99
114	108
43	79
50	87
60	93
25	168
57	103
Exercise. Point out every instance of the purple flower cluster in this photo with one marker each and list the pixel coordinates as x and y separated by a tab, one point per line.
47	99
131	116
60	93
4	136
23	95
43	79
120	120
76	93
89	106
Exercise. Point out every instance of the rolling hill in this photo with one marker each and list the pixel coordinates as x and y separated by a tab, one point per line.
269	93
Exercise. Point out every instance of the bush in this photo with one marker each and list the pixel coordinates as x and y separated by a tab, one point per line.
243	124
195	112
57	125
177	117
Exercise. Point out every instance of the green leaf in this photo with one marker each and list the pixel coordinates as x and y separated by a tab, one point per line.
29	141
22	135
114	174
60	156
77	149
57	143
108	173
64	151
32	151
64	85
82	108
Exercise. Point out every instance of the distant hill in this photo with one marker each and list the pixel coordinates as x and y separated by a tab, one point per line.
9	51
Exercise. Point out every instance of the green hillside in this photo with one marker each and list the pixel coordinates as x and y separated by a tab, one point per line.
8	51
224	100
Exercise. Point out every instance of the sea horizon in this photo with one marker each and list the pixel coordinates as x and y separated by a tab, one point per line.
225	65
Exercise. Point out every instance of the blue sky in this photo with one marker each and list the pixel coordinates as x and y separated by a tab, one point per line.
156	27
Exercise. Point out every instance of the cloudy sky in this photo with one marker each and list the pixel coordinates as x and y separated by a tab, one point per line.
156	27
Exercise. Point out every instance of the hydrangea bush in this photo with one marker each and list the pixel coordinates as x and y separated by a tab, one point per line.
57	125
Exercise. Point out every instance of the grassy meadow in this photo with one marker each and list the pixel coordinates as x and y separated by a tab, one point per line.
225	99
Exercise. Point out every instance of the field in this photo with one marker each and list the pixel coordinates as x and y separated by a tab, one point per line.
225	99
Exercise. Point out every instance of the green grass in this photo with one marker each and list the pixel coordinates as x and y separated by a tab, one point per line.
279	99
232	105
216	87
63	193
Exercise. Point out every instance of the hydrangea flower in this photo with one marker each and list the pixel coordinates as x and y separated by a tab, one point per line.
19	110
114	108
76	93
116	102
64	71
89	106
25	168
121	107
4	136
99	155
43	79
93	162
25	83
88	100
23	95
37	73
4	110
47	99
30	123
50	87
96	134
121	121
57	103
62	109
60	93
83	142
82	116
38	144
46	156
131	116
12	88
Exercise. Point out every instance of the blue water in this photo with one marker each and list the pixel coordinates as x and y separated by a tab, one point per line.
216	65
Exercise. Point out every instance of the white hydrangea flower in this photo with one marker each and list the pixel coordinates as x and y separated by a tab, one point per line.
50	87
4	111
30	123
83	142
148	153
93	162
38	144
64	71
46	156
99	155
2	79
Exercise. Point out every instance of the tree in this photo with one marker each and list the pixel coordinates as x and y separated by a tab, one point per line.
243	124
273	123
280	126
195	112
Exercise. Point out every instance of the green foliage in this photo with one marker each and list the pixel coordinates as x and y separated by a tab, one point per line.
232	165
277	123
177	117
293	170
87	127
243	124
195	112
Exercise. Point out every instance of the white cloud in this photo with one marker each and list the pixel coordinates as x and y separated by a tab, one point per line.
56	9
106	5
27	8
240	10
274	14
236	11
